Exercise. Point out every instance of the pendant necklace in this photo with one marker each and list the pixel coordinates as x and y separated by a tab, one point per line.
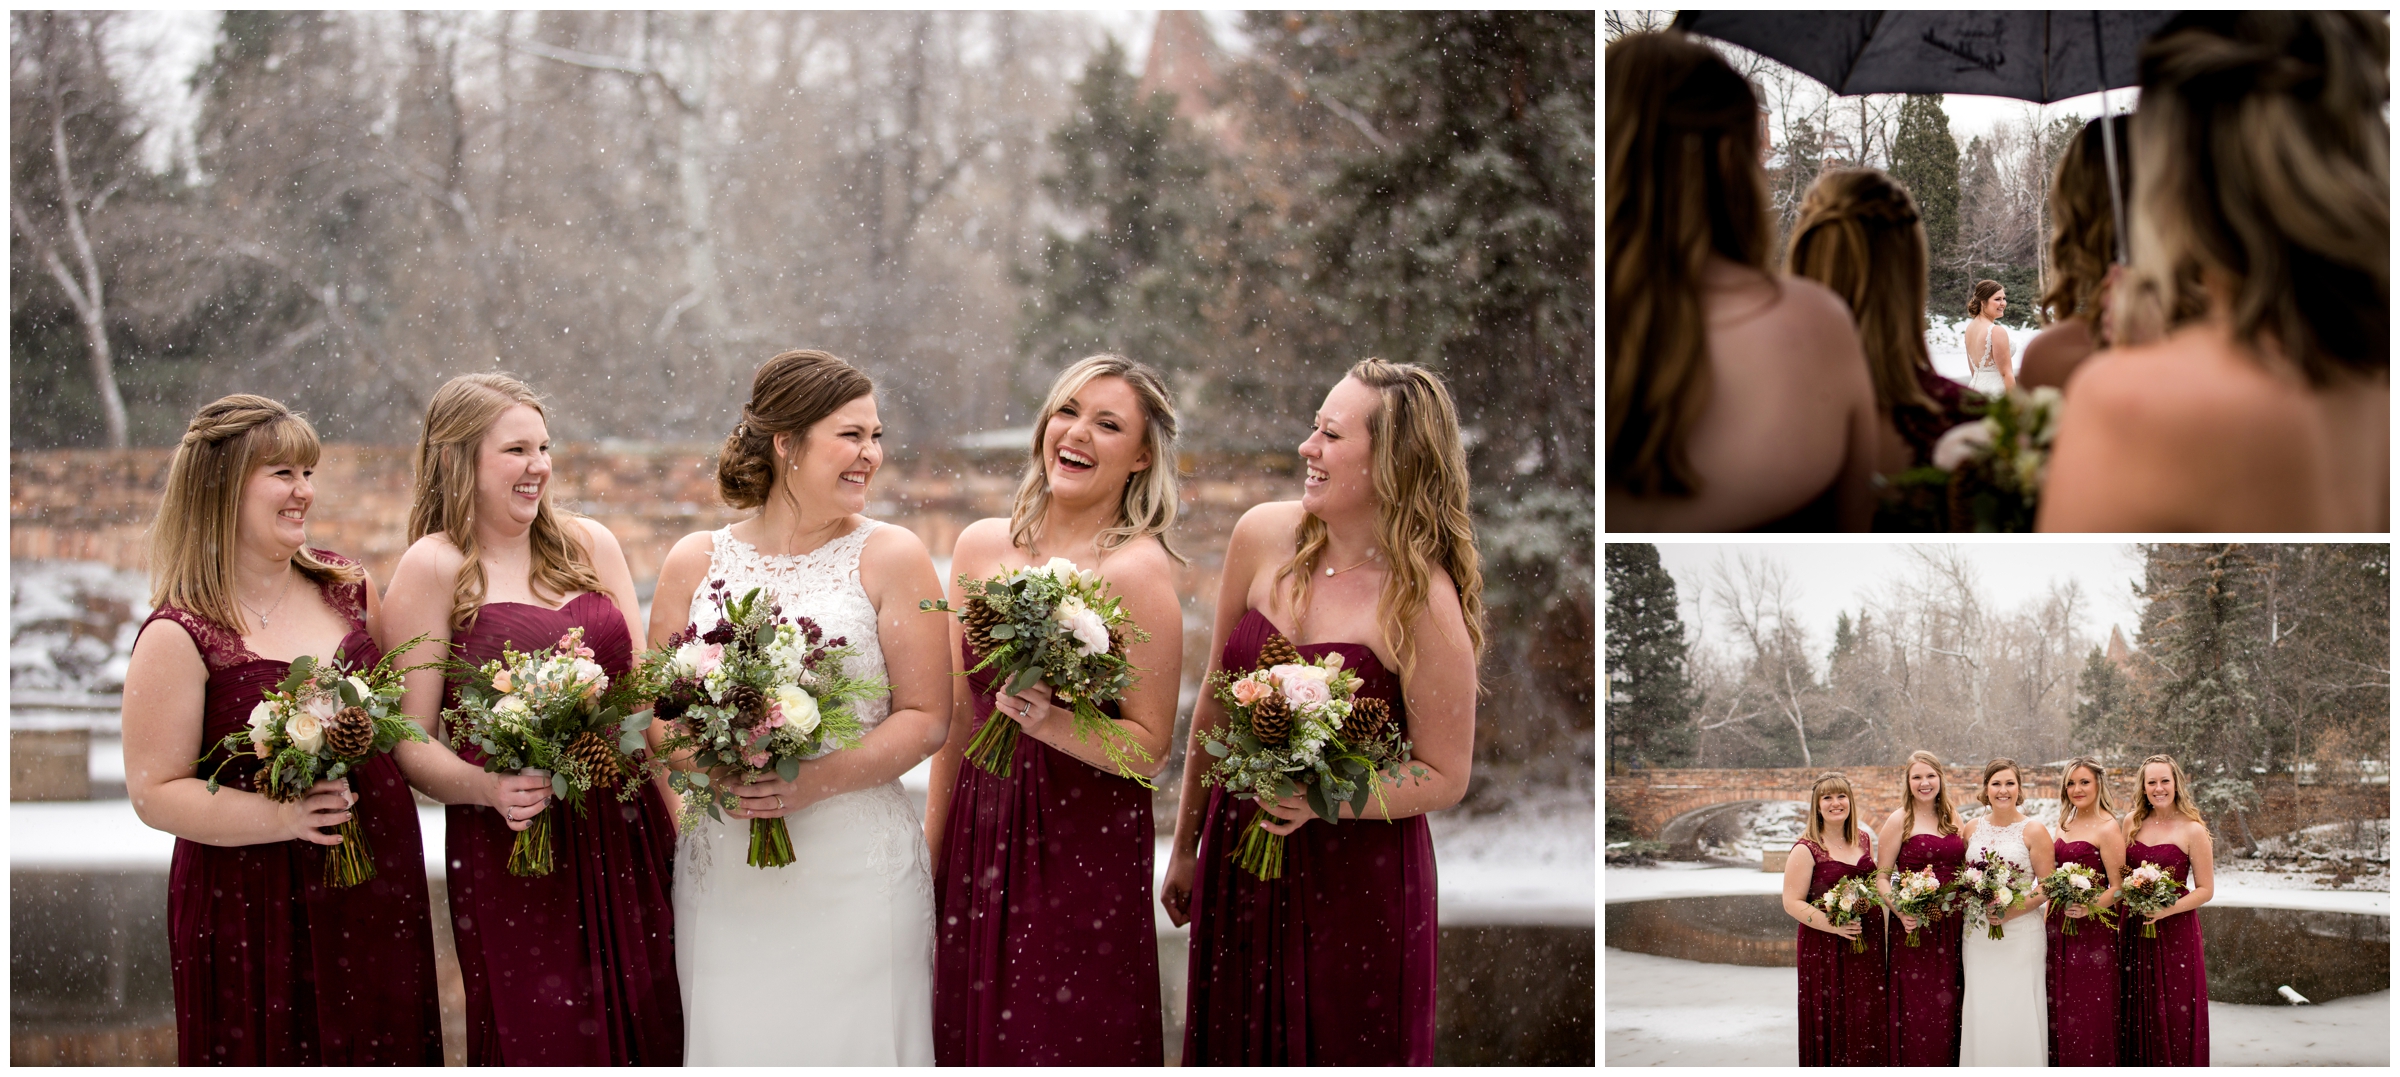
1337	571
278	606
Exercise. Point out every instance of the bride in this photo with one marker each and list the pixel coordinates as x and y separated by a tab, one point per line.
827	961
1987	344
2005	1019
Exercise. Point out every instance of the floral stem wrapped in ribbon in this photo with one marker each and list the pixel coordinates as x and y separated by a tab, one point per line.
1921	896
754	694
1845	902
1295	726
1051	623
319	724
2148	890
550	713
1994	878
2078	885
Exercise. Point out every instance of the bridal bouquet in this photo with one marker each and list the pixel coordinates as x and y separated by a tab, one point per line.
2149	890
1987	475
1991	879
756	693
1051	624
2078	884
1848	900
1921	895
319	725
549	713
1294	726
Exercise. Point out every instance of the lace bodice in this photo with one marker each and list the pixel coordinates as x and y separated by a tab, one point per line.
2008	841
1985	361
821	585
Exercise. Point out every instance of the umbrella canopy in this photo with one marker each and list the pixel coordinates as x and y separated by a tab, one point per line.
2039	56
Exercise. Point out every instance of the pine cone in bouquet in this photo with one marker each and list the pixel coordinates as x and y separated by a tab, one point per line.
1368	717
598	756
1271	720
747	701
351	735
1277	651
978	618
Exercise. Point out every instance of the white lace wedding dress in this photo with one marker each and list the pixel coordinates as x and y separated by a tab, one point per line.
1983	375
2005	1017
827	961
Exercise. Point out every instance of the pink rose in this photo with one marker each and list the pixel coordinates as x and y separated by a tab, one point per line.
1305	692
1249	690
756	759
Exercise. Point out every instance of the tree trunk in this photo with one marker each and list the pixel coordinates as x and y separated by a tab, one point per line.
91	307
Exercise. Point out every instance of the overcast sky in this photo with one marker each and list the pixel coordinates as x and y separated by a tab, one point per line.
2011	575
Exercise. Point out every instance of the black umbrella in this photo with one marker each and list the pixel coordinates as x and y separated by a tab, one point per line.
2038	56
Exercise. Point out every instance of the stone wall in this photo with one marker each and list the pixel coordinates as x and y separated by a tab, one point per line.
1654	797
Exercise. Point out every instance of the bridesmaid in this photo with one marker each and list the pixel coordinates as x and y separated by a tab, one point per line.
2165	1018
1928	979
271	967
1046	953
1334	963
2083	966
1845	1018
577	967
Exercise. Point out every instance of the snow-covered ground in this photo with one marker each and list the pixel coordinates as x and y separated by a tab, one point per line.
1946	341
71	625
1661	1011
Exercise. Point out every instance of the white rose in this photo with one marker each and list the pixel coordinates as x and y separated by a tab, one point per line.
2079	882
1091	633
306	730
512	706
260	717
1060	569
1962	443
799	709
322	706
360	686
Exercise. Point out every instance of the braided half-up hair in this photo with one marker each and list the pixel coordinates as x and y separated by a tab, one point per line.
1148	504
448	452
1859	234
1419	468
790	393
193	539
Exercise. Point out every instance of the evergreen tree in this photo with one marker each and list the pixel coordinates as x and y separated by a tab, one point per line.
1925	159
1650	698
2108	702
2206	707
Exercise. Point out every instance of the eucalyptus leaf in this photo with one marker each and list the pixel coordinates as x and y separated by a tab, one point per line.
558	785
788	769
700	778
638	720
1217	748
348	692
629	743
1002	631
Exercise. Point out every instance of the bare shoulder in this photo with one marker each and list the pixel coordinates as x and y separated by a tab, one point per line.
893	544
1893	822
597	535
982	542
2182	394
2035	829
1141	559
1813	321
1267	527
431	557
690	554
164	640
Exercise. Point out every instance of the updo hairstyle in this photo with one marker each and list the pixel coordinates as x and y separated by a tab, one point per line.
789	394
1984	289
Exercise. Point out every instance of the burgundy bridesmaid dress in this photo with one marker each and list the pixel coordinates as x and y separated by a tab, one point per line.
577	967
272	967
2164	1003
2083	976
1845	1015
1045	953
1928	981
1332	964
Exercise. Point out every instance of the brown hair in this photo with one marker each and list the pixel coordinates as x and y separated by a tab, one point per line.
790	393
1684	183
2266	165
2183	796
192	540
2100	798
1983	787
1828	784
1149	503
1944	818
2083	230
456	421
1858	234
1984	290
1421	518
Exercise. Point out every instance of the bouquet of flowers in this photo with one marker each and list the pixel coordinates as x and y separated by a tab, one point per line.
756	693
2078	884
1986	475
1295	726
319	725
549	713
1845	901
1051	624
1921	895
1990	879
2149	890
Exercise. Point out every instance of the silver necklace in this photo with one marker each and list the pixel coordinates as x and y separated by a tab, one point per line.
288	574
1338	571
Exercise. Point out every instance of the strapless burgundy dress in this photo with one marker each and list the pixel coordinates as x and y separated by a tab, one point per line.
1845	1015
2163	1007
577	967
2083	976
1334	963
1929	981
1045	952
272	967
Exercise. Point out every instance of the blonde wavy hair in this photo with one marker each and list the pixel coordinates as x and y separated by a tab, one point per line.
2100	796
1828	784
1419	469
1859	234
1945	819
192	541
443	502
2083	232
1684	183
2183	796
2265	164
1149	502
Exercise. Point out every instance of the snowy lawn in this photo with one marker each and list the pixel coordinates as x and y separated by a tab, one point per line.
1659	1011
